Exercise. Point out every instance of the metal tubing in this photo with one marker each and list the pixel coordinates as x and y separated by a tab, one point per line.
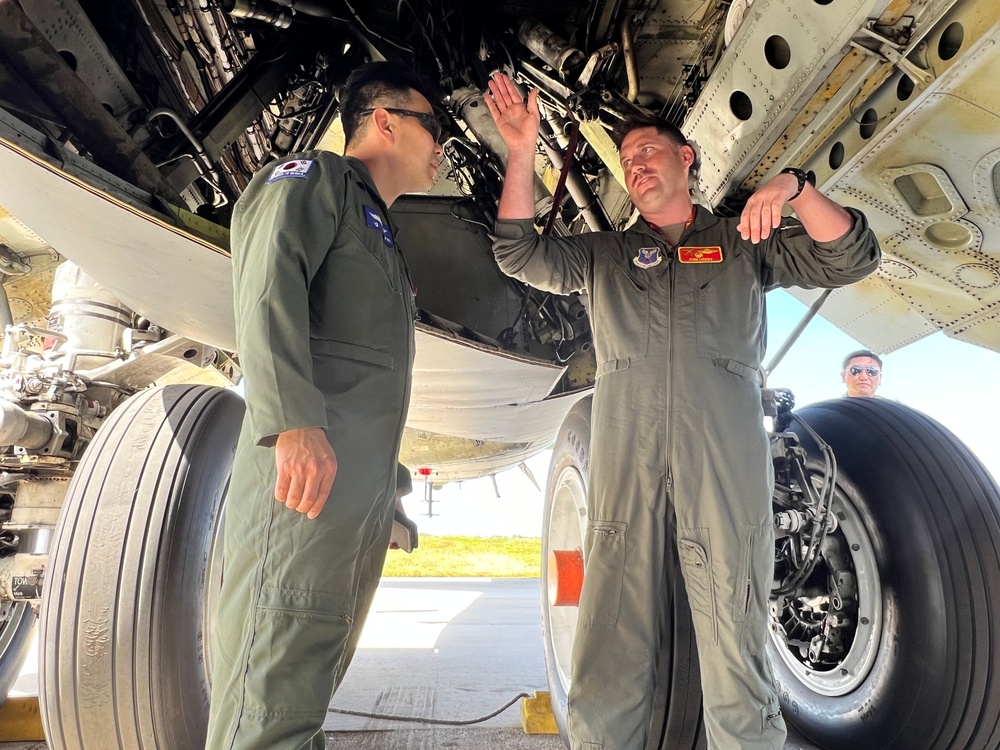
794	335
631	69
472	106
551	48
576	183
23	428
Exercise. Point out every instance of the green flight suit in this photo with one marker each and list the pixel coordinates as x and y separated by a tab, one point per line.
679	459
324	316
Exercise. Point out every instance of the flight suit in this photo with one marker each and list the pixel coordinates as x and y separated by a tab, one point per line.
677	430
324	316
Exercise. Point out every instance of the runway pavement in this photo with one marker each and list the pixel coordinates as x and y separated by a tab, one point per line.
446	649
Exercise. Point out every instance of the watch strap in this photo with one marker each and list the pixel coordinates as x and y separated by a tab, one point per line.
802	176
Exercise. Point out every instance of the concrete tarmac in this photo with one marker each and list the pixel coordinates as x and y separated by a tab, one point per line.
445	649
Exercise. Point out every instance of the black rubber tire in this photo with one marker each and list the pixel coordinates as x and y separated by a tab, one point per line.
126	608
932	513
676	722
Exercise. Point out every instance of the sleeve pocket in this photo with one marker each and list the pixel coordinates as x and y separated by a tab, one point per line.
605	571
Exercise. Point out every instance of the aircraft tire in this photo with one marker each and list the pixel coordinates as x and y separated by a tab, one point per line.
128	601
17	630
676	722
921	516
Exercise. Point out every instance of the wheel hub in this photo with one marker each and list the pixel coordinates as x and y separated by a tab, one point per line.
827	632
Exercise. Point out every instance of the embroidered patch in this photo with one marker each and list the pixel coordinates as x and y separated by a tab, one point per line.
297	168
699	254
374	221
648	257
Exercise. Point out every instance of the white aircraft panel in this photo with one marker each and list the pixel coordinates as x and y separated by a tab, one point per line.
182	283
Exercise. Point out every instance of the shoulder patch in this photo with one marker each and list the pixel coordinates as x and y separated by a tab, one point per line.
648	257
297	168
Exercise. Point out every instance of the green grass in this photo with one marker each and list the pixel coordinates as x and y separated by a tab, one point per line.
468	556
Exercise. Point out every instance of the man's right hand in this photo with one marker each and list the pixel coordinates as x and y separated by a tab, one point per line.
306	467
516	121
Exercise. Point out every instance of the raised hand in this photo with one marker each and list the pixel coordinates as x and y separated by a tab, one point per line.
516	121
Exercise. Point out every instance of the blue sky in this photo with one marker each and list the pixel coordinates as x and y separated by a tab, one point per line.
953	382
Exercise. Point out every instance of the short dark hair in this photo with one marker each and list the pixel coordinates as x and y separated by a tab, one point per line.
637	122
862	353
378	84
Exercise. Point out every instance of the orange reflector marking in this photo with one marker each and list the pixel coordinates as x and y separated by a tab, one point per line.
565	577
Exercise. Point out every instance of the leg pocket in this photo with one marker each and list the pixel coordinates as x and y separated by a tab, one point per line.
697	568
604	572
771	720
298	640
754	584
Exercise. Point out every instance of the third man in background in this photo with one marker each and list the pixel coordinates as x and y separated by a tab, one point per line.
862	373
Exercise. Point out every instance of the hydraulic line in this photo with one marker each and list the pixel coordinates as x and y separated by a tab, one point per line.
438	722
576	183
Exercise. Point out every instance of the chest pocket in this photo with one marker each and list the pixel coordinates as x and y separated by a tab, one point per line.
621	315
729	315
372	239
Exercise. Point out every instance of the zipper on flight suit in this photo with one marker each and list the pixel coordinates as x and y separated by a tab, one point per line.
672	288
405	288
409	295
670	249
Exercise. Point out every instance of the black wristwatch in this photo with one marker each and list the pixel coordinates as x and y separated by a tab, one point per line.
802	176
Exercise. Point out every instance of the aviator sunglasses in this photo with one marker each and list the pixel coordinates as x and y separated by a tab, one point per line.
873	372
427	121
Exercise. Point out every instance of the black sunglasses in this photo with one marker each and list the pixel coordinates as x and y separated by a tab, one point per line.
873	372
428	121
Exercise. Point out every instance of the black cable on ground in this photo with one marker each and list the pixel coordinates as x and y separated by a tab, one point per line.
422	720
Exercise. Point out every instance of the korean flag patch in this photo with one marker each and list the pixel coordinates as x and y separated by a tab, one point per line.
298	168
374	221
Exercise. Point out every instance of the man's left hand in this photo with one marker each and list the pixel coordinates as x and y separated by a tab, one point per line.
762	213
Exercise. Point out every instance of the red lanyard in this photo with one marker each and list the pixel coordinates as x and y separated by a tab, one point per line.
689	222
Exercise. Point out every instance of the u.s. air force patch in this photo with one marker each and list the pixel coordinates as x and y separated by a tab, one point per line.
297	168
374	221
648	257
699	254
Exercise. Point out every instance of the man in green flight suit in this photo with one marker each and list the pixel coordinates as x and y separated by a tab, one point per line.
679	455
324	315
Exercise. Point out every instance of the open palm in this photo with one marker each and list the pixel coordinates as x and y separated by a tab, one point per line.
516	121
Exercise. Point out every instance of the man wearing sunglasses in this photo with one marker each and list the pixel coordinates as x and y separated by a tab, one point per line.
324	317
680	470
862	373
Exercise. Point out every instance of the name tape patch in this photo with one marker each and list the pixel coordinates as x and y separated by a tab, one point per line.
700	254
